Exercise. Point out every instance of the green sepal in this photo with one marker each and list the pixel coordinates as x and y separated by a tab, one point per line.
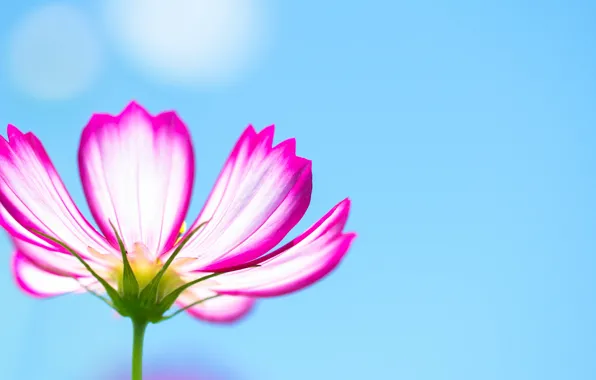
166	303
129	281
149	293
98	296
113	293
166	317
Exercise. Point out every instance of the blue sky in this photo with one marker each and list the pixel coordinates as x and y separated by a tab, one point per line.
463	132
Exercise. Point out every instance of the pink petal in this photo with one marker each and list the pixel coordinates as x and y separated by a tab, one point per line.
34	197
55	262
53	259
260	195
222	309
40	283
15	229
137	171
300	263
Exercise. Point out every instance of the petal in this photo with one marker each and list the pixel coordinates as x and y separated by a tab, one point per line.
137	172
15	229
222	309
260	195
39	283
52	258
300	263
35	198
55	262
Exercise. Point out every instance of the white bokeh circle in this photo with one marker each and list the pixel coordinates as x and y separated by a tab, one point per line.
188	42
53	52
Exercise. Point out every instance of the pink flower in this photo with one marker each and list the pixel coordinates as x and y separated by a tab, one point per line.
137	172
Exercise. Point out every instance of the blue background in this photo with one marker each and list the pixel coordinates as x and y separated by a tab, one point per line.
464	132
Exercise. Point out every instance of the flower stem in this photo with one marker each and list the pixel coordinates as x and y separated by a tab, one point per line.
139	327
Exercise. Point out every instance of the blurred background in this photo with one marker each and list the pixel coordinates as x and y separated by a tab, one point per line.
464	132
178	365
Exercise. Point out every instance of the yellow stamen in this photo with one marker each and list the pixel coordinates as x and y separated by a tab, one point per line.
181	232
145	268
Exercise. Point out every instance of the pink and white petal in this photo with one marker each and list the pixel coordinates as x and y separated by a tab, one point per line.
54	259
42	284
35	197
261	193
55	262
274	229
137	172
222	309
298	264
16	230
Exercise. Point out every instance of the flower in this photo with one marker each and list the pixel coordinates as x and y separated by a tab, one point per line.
137	172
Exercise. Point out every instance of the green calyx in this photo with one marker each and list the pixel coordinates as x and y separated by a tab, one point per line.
144	292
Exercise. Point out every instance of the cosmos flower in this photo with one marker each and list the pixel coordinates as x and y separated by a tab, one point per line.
137	172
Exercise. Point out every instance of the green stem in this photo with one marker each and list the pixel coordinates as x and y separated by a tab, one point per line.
139	327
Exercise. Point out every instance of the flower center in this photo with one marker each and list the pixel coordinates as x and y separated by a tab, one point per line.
145	267
139	284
